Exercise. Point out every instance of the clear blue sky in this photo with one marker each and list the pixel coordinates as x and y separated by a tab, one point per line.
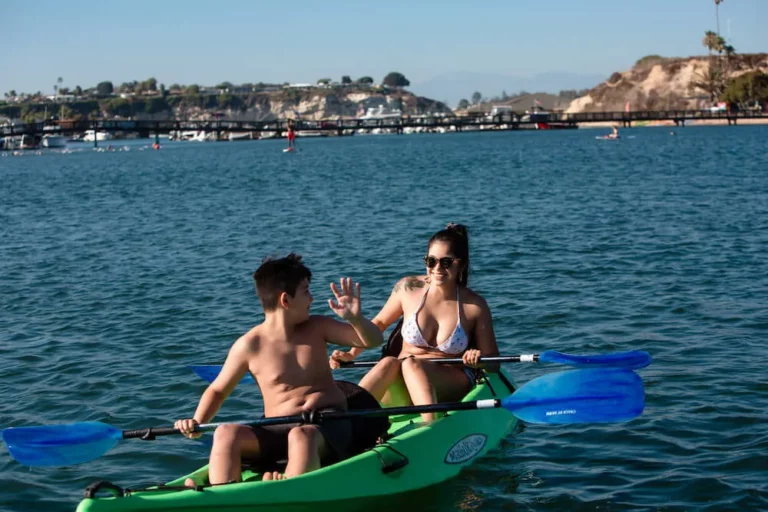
207	42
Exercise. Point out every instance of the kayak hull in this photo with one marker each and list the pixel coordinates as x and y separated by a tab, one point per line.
415	457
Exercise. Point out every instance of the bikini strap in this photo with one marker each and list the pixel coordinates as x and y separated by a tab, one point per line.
421	304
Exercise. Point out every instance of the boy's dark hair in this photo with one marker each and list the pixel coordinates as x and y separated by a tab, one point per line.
278	275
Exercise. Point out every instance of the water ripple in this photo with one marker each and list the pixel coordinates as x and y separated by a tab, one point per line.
118	270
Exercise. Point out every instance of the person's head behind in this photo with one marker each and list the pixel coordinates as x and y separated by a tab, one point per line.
283	282
454	242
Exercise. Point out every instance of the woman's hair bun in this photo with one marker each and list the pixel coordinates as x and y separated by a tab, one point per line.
459	229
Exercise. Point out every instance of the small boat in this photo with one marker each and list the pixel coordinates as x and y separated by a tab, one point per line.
381	112
91	135
54	141
413	456
240	136
29	142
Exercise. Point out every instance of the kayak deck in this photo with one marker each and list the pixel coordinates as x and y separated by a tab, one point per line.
415	456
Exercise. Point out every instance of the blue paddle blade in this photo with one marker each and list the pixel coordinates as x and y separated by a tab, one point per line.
633	359
209	372
60	445
579	396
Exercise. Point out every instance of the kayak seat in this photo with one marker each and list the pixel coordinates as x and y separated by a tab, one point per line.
366	429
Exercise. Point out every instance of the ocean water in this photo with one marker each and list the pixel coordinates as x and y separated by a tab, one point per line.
117	270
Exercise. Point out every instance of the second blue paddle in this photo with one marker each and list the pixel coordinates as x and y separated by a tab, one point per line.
631	359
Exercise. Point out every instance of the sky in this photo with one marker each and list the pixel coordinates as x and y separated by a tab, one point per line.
207	42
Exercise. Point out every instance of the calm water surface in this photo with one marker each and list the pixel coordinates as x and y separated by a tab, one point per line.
117	270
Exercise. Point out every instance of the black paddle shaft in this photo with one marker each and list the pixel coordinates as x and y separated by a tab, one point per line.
449	360
149	434
314	417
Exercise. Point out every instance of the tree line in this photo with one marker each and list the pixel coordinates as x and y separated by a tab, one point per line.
478	98
151	87
150	97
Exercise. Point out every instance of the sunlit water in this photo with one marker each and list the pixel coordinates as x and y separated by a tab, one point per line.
117	270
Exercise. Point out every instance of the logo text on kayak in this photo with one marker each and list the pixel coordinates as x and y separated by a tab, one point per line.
465	449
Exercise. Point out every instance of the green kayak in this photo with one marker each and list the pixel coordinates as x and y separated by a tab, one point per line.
414	457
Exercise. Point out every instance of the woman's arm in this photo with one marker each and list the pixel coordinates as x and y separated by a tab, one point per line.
485	338
392	310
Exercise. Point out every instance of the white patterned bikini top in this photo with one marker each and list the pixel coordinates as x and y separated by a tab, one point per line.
456	343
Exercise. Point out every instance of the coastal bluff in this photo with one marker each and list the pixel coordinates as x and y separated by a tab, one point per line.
318	103
658	83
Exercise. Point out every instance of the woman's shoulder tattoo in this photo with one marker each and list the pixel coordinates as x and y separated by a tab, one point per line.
408	284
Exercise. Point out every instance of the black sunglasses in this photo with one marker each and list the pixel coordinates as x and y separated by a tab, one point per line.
445	262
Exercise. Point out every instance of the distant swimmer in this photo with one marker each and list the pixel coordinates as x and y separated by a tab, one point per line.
155	146
291	136
614	135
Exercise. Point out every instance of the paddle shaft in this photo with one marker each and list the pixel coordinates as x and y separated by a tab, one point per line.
633	360
525	358
316	418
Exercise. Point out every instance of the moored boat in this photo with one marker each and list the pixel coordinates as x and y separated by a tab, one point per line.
92	135
413	456
54	141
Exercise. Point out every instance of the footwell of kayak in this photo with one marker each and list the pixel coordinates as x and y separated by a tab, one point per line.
414	456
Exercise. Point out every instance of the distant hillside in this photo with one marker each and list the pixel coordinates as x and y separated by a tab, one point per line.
522	103
321	103
657	83
452	87
310	102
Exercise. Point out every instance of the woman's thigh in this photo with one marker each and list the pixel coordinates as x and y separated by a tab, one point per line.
449	382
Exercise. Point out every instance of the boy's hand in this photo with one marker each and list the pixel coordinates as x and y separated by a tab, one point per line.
187	428
338	357
347	303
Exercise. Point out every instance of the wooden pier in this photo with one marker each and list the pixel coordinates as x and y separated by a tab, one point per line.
506	121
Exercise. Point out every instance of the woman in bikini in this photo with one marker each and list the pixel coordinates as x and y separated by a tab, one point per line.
442	318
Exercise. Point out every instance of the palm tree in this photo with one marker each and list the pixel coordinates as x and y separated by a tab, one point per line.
56	87
710	41
720	45
717	14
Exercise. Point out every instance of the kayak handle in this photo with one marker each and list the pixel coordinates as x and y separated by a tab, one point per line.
394	466
91	490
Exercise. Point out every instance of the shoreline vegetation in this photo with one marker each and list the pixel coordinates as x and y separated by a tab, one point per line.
723	80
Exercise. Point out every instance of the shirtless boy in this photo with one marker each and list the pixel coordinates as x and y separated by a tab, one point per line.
286	354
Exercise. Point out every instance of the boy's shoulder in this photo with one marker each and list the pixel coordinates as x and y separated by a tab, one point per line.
319	321
249	341
320	327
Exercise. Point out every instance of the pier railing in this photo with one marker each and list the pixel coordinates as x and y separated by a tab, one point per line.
509	120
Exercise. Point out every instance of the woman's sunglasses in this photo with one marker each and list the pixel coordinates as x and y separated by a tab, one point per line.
445	262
